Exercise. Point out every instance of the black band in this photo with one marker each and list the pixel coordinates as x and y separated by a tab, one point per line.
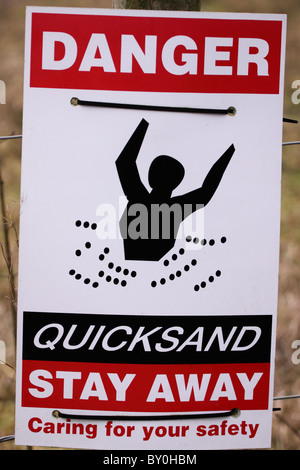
221	414
76	101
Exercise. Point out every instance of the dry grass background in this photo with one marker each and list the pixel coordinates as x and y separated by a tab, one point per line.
286	423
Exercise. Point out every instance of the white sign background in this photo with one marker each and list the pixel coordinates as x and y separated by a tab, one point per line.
69	173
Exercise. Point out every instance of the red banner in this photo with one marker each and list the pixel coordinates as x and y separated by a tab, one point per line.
145	387
137	53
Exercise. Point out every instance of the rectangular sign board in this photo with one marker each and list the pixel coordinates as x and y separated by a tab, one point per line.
149	238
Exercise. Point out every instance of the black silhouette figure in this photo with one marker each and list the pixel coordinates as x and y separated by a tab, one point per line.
150	222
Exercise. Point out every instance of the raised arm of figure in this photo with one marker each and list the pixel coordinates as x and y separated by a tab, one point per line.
202	196
126	163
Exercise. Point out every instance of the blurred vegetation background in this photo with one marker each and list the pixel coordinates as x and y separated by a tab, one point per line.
286	423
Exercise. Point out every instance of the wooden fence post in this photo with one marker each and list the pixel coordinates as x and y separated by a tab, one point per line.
184	5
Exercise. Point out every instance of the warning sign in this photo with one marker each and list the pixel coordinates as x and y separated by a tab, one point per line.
150	221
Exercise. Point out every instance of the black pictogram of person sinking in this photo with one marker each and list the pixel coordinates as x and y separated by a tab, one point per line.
157	213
